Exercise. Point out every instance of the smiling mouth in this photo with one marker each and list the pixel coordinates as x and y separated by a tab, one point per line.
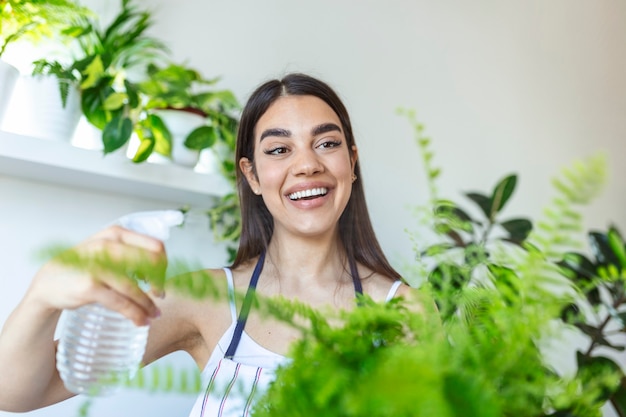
308	194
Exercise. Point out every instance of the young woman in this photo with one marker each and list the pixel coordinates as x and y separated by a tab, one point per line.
306	235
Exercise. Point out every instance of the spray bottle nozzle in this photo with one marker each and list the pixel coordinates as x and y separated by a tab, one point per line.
153	223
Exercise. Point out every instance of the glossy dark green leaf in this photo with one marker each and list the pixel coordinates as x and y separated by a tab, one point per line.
618	399
454	216
92	104
445	229
622	318
446	276
116	133
589	366
501	194
616	243
133	94
571	314
482	201
593	296
584	270
201	138
518	229
475	255
599	243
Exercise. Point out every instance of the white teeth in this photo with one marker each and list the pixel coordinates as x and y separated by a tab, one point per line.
308	193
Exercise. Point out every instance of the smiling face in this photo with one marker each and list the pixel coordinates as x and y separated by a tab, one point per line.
302	165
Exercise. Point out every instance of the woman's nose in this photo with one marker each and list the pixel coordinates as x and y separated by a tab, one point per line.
306	162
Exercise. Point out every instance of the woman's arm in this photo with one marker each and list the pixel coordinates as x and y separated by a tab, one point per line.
27	348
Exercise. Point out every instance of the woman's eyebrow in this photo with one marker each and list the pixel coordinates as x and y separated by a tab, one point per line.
281	133
325	128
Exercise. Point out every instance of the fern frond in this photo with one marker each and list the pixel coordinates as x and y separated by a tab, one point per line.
577	185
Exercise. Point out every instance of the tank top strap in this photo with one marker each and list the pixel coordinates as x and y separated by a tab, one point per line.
245	308
231	293
393	290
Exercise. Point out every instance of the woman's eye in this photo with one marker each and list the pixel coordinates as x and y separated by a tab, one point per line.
330	144
279	150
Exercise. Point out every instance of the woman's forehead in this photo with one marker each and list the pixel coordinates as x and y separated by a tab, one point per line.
296	111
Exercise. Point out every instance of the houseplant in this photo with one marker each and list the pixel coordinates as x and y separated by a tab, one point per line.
177	92
30	21
502	287
104	67
481	354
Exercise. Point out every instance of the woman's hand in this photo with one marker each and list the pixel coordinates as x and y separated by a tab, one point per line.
99	270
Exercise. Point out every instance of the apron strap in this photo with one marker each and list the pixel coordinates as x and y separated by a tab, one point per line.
247	302
245	308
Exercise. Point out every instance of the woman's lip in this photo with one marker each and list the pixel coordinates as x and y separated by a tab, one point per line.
307	186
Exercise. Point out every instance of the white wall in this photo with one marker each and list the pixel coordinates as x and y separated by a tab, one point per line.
34	215
522	87
502	87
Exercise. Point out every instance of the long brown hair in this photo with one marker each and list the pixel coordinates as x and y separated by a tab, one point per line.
355	228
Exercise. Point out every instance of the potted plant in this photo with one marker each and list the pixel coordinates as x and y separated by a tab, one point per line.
30	21
503	288
103	69
196	115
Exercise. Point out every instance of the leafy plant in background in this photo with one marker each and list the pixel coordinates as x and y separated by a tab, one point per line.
34	20
469	248
600	312
497	303
480	353
181	88
102	70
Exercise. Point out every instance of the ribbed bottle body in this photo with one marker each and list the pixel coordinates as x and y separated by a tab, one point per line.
99	350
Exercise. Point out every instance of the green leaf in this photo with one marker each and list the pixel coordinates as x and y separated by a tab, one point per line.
589	367
132	93
501	194
114	101
580	264
601	249
116	133
518	229
201	138
467	397
482	201
618	399
146	146
616	243
92	103
161	134
94	72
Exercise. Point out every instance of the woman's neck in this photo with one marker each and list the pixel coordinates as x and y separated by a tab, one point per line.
306	261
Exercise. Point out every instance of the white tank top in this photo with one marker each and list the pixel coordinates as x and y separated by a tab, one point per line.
231	386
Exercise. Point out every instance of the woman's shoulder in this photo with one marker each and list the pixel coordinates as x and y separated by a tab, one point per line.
382	287
198	285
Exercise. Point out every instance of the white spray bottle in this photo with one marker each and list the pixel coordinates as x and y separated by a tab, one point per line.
99	349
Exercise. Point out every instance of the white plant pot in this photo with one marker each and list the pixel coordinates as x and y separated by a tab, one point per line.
36	109
8	78
181	124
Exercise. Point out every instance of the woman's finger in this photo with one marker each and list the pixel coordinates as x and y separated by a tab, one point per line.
130	289
116	301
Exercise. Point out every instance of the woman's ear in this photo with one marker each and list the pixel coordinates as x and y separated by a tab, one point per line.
353	156
247	169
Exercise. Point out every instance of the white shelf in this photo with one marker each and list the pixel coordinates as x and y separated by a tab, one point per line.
63	164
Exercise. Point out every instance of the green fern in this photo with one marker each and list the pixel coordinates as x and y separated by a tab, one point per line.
578	185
